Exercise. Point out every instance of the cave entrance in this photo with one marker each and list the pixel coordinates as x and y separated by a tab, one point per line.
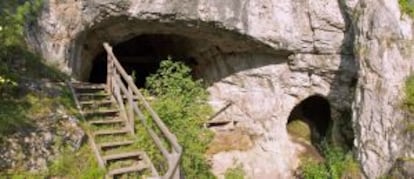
310	119
141	56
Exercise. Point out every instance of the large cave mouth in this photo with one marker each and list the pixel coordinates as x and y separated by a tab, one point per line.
310	119
141	56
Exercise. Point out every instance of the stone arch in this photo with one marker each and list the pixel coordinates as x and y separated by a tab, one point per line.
197	40
142	55
315	112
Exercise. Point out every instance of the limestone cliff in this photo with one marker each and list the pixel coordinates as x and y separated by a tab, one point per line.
265	56
383	48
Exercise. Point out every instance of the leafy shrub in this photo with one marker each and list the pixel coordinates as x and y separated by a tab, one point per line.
13	16
181	103
18	104
313	170
234	173
80	164
337	164
407	6
409	93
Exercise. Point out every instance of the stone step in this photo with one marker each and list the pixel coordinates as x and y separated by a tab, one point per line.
110	121
111	132
115	144
125	170
126	155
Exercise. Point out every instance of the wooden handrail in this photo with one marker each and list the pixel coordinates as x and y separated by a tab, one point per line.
118	80
101	162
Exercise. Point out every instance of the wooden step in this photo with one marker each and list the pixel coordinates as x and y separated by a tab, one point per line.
126	155
89	86
101	112
111	132
115	144
110	121
135	168
96	102
92	94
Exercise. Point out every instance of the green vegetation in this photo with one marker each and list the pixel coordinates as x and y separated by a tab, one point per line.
18	66
181	104
409	93
337	165
313	170
13	16
234	173
80	164
407	6
408	102
300	129
24	97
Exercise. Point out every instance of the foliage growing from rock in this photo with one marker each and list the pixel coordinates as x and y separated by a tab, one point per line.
409	102
20	68
13	17
407	6
234	173
181	104
80	164
337	164
33	98
409	93
299	129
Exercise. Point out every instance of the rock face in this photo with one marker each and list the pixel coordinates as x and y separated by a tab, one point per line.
34	147
265	56
383	46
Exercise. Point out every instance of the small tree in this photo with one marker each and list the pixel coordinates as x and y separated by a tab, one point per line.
13	17
181	104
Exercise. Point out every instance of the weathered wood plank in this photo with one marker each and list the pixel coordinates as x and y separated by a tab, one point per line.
132	92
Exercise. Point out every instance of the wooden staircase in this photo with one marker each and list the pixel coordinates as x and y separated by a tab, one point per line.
111	110
110	135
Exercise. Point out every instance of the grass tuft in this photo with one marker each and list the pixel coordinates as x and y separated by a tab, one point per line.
235	173
407	6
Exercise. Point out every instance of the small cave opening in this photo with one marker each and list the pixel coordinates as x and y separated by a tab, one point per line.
141	56
310	119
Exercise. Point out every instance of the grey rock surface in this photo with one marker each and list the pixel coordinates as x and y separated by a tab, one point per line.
34	147
265	56
379	120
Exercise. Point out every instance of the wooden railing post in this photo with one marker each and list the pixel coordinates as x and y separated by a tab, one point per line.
131	103
172	162
121	85
109	74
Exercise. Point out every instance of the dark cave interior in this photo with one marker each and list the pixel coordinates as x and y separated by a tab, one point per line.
142	56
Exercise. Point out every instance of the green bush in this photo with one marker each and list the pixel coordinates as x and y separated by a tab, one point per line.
81	164
337	164
17	65
234	173
13	16
313	170
181	103
407	6
409	94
